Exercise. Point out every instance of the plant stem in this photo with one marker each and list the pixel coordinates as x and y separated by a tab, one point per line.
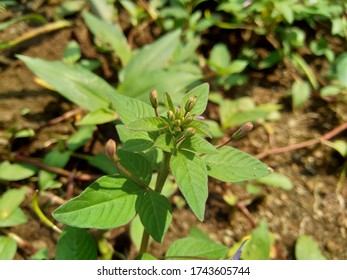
162	176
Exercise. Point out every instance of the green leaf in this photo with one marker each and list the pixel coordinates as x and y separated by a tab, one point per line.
191	176
16	171
76	244
166	142
146	256
258	247
78	85
197	144
55	158
136	231
103	163
16	218
107	203
136	164
8	248
72	53
151	57
300	92
232	165
100	116
273	58
201	128
191	247
110	35
340	66
80	138
219	57
237	66
130	109
40	254
201	92
149	124
172	81
307	249
301	63
155	213
277	180
10	201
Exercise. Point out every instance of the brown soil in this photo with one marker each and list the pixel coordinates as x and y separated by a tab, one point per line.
312	207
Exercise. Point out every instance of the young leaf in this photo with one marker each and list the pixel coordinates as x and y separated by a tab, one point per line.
191	176
201	92
110	35
197	144
165	142
276	180
8	248
78	85
232	165
149	124
258	247
191	247
152	57
201	128
107	203
16	171
10	201
155	213
307	249
76	244
130	109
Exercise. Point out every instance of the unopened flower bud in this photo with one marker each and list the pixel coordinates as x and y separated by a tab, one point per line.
153	96
187	121
190	104
170	116
111	150
189	132
179	113
242	131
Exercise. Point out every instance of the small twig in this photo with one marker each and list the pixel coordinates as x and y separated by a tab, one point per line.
241	206
304	144
59	171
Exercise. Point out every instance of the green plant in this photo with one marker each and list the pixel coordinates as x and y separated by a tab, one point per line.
172	140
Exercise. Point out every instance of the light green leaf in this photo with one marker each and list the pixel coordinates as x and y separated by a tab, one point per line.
136	231
72	53
10	201
78	85
191	176
130	109
198	145
152	57
301	92
307	249
76	244
340	67
277	180
16	218
219	57
107	203
201	128
155	213
163	81
8	248
237	66
80	138
196	247
285	10
201	92
100	116
232	165
146	256
258	247
110	35
16	171
149	124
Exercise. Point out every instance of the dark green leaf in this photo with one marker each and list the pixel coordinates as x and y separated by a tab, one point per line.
76	244
191	176
232	165
155	213
166	142
103	163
